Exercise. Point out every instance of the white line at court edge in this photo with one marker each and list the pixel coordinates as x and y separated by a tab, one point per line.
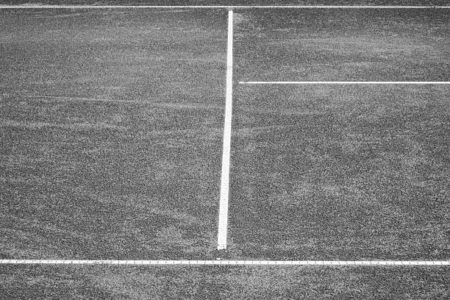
345	82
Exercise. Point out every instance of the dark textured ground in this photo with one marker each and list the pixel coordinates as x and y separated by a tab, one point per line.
223	283
354	171
318	172
101	179
231	2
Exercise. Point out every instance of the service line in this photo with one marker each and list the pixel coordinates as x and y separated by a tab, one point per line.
330	263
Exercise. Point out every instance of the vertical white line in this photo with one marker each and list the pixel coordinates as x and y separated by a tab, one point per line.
225	178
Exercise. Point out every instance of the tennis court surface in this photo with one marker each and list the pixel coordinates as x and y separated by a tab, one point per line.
111	124
111	129
341	171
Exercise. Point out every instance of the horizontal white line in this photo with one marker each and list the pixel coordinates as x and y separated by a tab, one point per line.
369	263
226	6
347	82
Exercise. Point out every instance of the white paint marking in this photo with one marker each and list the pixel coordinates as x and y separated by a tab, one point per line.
33	6
331	263
345	82
224	194
225	178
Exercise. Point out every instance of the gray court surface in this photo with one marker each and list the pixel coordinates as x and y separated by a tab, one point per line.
111	124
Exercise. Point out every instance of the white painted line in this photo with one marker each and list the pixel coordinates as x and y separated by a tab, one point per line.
33	6
225	177
331	263
345	82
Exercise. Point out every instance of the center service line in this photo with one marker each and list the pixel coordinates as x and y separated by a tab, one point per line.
330	263
225	177
345	82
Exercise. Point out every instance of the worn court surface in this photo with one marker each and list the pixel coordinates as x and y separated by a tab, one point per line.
222	283
340	172
317	172
111	179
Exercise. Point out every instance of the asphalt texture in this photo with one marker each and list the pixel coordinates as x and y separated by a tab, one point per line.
111	128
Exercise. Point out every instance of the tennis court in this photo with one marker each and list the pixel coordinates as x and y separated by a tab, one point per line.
112	122
341	171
